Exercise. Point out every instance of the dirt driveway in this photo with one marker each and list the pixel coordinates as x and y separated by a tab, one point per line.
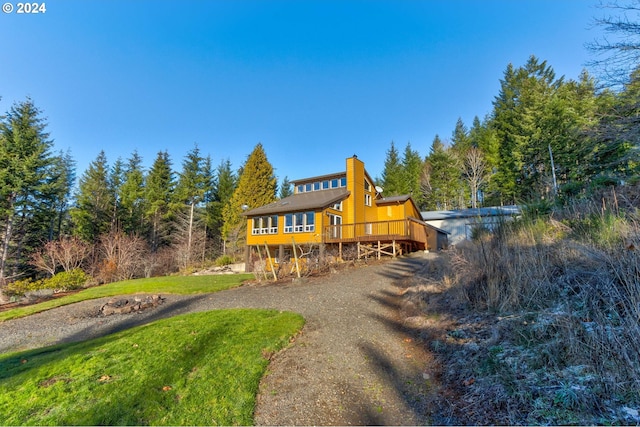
353	363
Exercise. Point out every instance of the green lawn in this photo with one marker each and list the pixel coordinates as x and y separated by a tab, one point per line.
195	369
157	285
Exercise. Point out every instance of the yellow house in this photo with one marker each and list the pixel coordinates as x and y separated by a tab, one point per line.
334	212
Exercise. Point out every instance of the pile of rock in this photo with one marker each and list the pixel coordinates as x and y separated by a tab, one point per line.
130	305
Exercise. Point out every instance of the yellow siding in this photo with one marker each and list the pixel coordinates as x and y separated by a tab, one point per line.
283	238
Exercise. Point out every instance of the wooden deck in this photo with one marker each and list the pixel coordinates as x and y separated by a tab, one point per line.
409	230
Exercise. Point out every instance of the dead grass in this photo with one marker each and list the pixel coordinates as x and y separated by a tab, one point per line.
538	323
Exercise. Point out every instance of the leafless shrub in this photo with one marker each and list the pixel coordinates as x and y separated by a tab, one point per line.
121	257
68	253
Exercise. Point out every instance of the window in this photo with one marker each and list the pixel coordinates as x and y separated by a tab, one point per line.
367	199
325	185
337	206
309	223
300	188
367	186
343	182
307	187
299	222
334	183
265	225
316	186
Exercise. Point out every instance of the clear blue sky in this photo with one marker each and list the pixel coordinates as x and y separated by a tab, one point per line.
314	81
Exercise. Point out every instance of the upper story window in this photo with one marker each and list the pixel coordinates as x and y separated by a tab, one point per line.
337	206
367	186
265	225
322	185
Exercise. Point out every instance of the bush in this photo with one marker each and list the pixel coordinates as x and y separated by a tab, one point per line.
66	280
224	260
20	287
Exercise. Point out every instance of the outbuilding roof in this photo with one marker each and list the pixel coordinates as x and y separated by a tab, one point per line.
311	200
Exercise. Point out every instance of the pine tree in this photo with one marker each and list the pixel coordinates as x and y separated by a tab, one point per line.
256	187
95	201
158	196
26	181
516	118
225	184
190	193
411	172
115	181
286	188
132	197
392	175
441	177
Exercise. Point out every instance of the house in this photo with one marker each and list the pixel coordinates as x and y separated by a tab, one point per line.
335	212
460	224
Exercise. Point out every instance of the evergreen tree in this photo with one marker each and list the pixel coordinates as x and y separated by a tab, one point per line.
190	192
286	188
63	174
256	187
93	211
226	182
411	172
516	118
441	177
158	196
132	197
392	175
115	181
26	180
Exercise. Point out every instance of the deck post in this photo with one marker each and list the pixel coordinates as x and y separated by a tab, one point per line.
340	250
379	250
394	248
248	265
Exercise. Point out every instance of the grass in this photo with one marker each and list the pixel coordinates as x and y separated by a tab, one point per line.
195	369
544	319
158	285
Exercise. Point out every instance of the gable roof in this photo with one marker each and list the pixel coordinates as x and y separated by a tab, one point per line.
312	200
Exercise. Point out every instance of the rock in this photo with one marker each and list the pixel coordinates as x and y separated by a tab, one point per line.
125	306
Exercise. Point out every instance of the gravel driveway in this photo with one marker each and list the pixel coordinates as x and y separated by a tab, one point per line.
351	365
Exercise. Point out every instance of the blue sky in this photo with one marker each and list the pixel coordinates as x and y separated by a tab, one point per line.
314	82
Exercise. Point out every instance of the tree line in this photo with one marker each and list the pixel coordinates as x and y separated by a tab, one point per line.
120	221
546	139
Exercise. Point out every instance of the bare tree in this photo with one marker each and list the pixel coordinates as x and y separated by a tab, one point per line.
122	256
618	52
475	172
66	252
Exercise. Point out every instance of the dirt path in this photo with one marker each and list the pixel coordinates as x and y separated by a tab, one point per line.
352	364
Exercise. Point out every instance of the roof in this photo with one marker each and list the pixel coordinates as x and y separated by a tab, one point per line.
471	213
393	199
312	200
319	178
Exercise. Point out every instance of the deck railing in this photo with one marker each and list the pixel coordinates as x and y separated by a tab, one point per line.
401	229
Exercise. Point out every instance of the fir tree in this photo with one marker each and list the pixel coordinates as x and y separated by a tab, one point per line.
26	183
132	197
158	196
392	176
95	201
286	188
411	172
256	187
